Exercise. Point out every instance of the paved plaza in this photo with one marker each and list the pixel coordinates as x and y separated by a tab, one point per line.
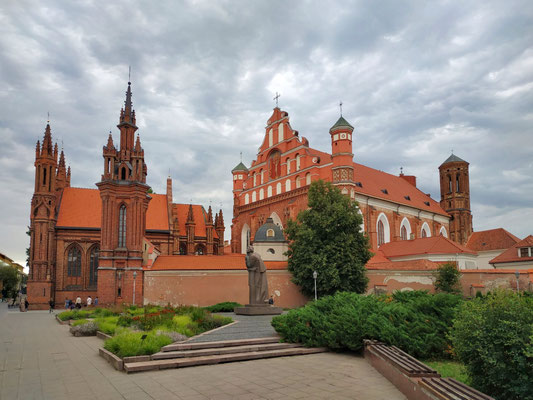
39	359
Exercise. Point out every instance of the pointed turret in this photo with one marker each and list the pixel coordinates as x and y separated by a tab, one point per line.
61	175
110	145
190	227
68	176
341	152
209	232
138	145
47	142
37	149
127	114
55	151
190	215
219	228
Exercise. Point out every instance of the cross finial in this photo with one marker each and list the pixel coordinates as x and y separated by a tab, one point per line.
48	117
61	144
129	74
452	151
276	97
241	156
340	106
401	170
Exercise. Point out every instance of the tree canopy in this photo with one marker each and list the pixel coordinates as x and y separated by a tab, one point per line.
9	278
447	278
327	238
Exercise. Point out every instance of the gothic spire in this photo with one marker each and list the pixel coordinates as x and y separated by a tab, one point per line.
138	144
62	159
127	114
110	144
190	216
47	141
210	216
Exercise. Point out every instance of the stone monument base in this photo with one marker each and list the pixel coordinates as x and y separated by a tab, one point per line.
258	309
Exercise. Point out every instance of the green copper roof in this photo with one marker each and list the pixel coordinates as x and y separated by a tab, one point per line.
341	122
453	158
240	167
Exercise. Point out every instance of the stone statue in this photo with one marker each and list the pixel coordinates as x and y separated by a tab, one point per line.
257	279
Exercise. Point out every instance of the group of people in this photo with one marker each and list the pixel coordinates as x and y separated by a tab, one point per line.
77	304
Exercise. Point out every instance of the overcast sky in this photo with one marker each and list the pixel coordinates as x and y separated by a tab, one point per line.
417	79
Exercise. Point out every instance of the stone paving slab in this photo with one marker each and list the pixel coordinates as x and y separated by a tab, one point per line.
247	327
39	359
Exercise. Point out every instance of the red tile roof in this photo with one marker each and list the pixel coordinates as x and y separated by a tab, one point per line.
430	245
225	262
492	239
377	258
511	254
374	182
82	208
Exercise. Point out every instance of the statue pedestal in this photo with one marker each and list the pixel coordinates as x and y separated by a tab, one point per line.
258	309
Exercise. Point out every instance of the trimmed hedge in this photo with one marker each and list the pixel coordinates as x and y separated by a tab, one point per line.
227	306
417	322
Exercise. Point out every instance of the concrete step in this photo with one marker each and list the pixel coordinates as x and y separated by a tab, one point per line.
216	359
163	355
222	343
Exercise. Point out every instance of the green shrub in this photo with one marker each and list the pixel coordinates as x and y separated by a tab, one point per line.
226	306
107	324
125	320
417	322
74	314
79	322
102	312
493	336
65	315
129	343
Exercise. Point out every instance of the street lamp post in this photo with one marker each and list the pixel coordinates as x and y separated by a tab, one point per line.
315	274
134	278
517	274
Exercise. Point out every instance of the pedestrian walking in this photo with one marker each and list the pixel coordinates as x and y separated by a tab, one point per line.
78	302
52	305
96	301
89	301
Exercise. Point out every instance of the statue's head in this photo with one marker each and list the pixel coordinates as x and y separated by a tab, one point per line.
250	249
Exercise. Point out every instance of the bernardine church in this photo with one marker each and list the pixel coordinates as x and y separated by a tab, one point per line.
112	241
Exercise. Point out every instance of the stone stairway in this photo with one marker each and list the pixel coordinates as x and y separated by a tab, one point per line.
181	355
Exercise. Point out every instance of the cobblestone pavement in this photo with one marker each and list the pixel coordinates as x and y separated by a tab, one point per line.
39	359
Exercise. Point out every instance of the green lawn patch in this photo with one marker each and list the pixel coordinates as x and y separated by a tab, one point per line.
450	369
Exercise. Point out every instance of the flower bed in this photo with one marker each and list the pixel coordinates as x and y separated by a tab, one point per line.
158	325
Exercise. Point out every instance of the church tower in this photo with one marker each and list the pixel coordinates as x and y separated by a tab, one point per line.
341	152
455	197
43	219
124	195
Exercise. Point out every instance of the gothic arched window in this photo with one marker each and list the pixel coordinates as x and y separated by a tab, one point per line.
74	262
381	233
449	184
93	266
122	226
403	233
457	187
274	165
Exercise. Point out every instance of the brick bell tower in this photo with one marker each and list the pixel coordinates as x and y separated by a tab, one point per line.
455	197
125	199
341	152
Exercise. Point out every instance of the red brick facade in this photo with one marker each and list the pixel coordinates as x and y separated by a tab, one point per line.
91	242
277	182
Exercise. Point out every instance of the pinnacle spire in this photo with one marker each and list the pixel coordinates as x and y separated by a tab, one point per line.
127	114
47	141
110	144
62	159
190	215
138	144
210	216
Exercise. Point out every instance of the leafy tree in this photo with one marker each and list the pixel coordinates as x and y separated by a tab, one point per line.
493	336
327	238
447	278
10	279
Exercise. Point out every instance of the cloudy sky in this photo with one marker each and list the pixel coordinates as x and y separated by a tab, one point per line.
417	80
